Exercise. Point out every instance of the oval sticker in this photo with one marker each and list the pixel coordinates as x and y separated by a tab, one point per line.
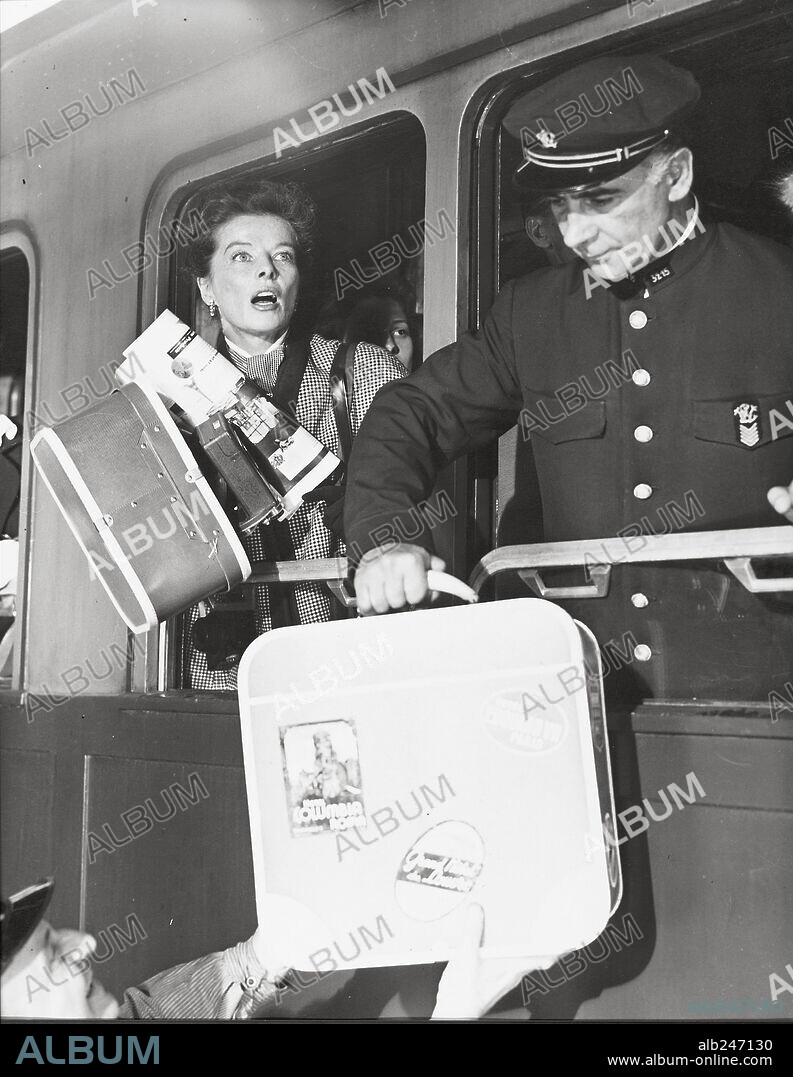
440	869
516	720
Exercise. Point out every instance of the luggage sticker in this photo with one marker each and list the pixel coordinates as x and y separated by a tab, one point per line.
439	870
322	777
520	720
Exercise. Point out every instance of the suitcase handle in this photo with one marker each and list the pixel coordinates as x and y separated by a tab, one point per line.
436	581
450	585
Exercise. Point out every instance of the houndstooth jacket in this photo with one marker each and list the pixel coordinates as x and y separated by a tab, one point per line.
373	368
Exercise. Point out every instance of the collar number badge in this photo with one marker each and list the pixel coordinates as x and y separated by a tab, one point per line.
747	424
661	274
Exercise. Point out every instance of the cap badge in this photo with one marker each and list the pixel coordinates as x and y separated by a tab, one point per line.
547	139
747	424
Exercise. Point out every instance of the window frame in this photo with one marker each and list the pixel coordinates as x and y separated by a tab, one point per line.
16	236
154	671
668	32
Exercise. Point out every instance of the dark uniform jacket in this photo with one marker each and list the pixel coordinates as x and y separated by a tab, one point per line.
668	410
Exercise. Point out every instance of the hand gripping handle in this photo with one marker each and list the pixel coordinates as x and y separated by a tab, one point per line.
436	581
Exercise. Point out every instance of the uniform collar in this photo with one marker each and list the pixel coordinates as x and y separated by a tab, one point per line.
670	261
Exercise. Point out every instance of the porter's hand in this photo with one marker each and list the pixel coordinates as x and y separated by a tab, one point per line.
388	579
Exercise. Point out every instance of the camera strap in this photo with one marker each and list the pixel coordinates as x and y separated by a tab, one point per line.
290	373
341	387
290	377
276	537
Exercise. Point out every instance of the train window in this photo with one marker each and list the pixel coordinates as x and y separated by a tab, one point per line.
741	141
14	302
365	284
740	135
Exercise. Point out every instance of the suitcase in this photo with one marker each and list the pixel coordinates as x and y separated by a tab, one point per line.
400	767
134	498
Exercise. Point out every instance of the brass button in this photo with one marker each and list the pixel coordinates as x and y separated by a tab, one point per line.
642	490
643	433
637	319
640	600
642	653
640	377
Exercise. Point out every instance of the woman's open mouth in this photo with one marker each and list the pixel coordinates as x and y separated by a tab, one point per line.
265	299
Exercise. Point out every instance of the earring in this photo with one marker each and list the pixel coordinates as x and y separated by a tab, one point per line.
212	305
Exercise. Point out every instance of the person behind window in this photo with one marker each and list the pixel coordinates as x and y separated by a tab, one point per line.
250	264
383	320
380	316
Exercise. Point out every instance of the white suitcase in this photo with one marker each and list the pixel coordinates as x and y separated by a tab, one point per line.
400	767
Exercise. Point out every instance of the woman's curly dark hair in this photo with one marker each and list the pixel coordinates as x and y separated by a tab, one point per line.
224	201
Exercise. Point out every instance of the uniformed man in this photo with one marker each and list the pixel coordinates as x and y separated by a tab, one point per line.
653	375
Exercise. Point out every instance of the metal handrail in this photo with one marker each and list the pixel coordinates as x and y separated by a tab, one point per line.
736	548
333	572
319	570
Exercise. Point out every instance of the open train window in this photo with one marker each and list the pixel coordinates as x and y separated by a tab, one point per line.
742	143
741	135
369	191
14	303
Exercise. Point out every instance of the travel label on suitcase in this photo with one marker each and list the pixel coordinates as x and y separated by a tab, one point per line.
400	767
144	515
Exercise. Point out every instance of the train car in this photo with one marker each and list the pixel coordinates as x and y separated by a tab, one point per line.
125	782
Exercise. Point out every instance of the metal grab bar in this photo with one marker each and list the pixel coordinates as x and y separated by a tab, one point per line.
319	570
743	570
600	576
737	548
333	571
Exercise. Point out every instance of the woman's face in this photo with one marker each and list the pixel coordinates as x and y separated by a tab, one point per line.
399	341
254	279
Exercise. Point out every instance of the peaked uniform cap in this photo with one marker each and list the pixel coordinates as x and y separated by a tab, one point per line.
598	120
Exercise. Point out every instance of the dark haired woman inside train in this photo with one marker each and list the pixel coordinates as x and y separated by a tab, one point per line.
382	315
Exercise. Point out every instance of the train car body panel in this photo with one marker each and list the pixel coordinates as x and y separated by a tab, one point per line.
132	791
